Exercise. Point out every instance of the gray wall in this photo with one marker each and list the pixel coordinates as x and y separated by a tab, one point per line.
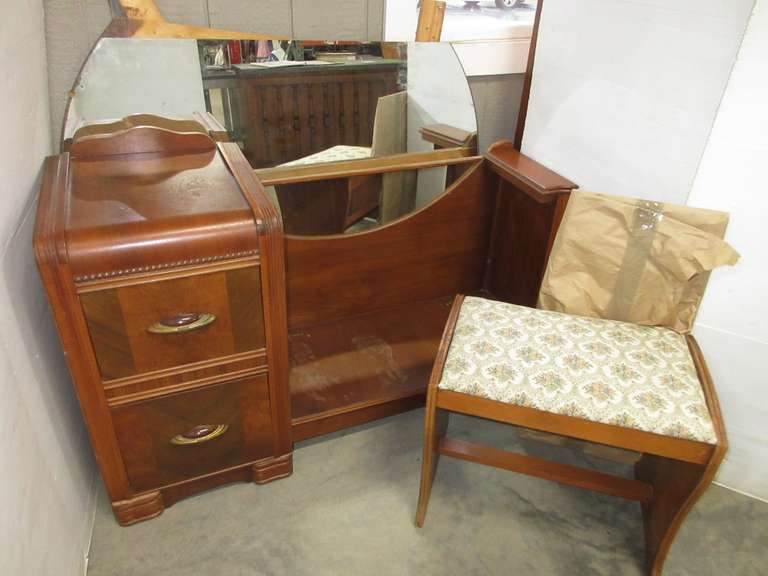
73	26
497	100
47	477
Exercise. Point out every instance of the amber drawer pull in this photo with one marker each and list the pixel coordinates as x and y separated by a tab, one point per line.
181	323
199	434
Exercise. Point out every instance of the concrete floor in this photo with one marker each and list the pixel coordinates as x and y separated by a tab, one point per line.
348	510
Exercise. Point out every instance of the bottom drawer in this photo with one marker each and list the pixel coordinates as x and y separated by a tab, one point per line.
194	433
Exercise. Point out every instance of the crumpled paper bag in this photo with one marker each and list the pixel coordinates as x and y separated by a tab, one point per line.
633	260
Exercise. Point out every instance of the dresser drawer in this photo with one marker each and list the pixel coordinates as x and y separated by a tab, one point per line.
161	324
178	437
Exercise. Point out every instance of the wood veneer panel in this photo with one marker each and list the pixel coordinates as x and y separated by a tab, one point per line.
145	432
314	208
118	319
364	360
108	335
437	251
246	314
519	246
554	471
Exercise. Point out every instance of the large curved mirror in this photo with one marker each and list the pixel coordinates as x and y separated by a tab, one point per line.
291	105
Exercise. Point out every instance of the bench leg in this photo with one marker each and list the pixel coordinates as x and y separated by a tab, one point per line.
677	486
435	425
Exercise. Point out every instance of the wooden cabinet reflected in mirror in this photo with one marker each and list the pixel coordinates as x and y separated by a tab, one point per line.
294	106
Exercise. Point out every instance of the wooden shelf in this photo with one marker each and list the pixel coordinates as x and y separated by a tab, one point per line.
363	367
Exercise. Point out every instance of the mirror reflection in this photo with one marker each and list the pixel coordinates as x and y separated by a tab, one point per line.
306	102
291	105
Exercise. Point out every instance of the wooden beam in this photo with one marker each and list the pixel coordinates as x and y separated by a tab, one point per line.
562	473
143	19
141	10
431	16
608	434
522	113
362	167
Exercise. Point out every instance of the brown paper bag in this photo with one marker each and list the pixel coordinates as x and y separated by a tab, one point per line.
633	260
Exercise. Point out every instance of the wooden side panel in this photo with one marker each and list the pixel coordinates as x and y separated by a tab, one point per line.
519	245
244	297
314	208
364	194
437	251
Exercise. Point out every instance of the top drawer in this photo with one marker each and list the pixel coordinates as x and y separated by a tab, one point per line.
165	323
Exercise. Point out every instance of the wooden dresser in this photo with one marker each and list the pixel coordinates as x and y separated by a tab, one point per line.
289	113
163	263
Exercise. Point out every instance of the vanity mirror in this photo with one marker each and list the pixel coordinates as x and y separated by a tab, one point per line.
291	105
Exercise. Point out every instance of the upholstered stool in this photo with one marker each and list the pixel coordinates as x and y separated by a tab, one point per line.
640	388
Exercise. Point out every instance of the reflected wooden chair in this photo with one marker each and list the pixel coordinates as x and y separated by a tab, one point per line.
640	388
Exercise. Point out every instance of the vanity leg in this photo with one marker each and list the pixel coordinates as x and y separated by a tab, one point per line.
273	469
138	508
435	426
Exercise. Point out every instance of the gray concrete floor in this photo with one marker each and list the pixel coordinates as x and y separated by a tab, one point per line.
348	510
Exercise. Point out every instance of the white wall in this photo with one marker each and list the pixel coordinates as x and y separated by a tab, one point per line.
625	92
47	478
624	97
733	323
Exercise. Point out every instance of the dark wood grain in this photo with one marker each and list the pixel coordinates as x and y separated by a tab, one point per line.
273	285
126	241
363	193
365	166
518	250
185	377
356	362
446	136
50	252
435	252
135	120
145	430
529	206
143	212
119	318
525	174
140	139
435	420
314	208
288	116
548	470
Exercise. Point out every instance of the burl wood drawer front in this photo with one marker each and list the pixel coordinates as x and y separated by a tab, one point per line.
155	325
194	433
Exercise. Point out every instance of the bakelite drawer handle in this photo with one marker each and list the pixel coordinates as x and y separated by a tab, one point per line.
199	434
181	323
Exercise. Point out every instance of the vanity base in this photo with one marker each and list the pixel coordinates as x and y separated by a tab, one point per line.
151	504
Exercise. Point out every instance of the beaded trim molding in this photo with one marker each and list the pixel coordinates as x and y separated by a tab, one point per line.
165	266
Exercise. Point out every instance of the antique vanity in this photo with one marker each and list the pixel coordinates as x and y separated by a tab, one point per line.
213	314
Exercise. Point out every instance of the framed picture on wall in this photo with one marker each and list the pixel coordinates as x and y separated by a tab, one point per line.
490	36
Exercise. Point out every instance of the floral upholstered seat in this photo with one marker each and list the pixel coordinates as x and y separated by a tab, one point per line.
333	154
600	370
